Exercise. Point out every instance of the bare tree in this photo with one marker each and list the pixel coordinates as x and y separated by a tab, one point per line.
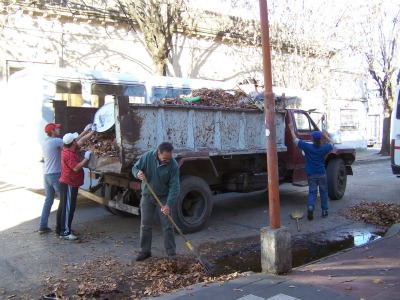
158	20
379	26
302	40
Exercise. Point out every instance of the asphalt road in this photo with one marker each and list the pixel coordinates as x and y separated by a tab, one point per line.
28	259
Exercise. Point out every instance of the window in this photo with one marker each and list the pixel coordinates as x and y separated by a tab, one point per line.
103	93
160	93
349	119
70	92
303	122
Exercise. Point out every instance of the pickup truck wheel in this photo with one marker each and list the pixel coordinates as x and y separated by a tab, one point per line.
193	205
337	178
109	192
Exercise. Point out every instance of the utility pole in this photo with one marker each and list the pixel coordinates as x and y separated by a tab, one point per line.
276	251
269	111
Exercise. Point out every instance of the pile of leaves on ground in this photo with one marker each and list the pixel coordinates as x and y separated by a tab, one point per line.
106	278
377	213
213	98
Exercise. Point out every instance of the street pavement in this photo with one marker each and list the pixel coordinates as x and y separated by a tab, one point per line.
370	271
27	260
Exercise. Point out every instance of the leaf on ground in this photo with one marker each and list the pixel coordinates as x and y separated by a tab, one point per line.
377	280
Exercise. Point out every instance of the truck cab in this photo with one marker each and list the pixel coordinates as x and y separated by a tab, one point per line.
338	162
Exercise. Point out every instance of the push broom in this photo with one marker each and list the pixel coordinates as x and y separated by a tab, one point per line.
207	266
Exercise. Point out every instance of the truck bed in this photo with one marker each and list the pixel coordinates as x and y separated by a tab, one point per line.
191	129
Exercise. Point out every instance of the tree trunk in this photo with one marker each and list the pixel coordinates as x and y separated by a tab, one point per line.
385	149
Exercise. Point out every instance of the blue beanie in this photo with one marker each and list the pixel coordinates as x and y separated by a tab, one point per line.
316	135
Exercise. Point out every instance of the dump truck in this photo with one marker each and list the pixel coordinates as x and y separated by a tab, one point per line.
219	150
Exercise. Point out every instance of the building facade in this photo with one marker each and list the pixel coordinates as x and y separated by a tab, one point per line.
55	35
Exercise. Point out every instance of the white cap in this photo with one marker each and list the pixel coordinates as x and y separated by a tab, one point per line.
69	137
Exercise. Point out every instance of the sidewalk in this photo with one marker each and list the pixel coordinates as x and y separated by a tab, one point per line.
371	271
369	155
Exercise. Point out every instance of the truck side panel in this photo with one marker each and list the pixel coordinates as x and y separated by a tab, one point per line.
217	131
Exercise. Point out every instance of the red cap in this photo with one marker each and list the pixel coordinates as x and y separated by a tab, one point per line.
49	127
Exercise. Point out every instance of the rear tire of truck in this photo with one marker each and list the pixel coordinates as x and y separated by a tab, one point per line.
193	205
337	178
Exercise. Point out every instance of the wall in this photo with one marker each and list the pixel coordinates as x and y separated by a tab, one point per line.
97	46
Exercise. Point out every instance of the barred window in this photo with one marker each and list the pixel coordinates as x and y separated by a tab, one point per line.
349	119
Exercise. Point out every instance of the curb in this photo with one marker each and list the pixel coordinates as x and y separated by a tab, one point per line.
393	230
371	161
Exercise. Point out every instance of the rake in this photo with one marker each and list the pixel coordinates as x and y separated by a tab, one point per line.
207	266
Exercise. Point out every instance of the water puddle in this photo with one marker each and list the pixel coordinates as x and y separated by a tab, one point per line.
361	238
305	249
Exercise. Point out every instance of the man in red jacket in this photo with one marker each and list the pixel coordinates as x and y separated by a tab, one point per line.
71	179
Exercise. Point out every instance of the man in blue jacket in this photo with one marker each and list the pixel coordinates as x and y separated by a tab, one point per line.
315	154
162	173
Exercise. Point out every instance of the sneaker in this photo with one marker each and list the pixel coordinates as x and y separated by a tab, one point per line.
44	230
142	256
310	215
324	213
69	237
173	257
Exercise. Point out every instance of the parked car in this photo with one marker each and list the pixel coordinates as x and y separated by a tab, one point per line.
371	141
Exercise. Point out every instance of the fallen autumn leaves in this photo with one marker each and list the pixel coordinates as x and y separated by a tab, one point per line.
106	278
377	213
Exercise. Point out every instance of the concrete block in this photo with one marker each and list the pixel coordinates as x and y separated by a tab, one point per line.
276	250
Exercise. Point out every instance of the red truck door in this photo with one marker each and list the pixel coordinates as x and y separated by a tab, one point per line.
303	126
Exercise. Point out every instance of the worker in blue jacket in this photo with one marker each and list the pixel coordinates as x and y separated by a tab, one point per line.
315	153
161	171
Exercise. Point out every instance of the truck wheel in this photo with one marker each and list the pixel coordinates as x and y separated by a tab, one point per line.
109	192
337	178
193	205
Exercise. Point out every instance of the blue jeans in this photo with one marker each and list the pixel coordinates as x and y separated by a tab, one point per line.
50	189
147	207
315	181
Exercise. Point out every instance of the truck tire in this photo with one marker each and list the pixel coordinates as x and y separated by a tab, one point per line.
337	178
109	192
193	205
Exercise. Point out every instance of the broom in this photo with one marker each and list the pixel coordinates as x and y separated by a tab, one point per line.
207	266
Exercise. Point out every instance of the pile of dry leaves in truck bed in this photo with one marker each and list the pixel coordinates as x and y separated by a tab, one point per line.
377	213
213	98
106	278
102	144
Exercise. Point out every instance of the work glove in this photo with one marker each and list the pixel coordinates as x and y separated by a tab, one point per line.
87	154
94	127
88	127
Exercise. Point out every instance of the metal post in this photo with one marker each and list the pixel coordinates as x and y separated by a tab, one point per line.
269	111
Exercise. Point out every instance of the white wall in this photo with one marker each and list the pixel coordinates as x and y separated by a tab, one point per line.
77	44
